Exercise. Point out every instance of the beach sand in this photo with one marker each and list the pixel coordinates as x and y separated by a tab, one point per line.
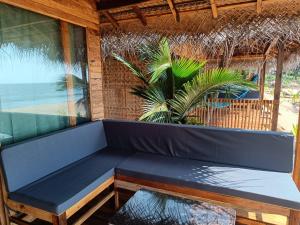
60	109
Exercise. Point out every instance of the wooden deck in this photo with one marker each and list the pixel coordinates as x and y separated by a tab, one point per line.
102	216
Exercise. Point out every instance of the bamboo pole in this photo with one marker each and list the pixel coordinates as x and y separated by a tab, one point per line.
278	81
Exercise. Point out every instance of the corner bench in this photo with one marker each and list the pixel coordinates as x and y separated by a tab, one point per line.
54	176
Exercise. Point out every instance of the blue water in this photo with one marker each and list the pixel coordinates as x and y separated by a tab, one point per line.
24	95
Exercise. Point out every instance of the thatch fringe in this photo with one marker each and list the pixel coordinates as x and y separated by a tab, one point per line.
235	32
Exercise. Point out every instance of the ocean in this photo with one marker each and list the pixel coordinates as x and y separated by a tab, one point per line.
25	95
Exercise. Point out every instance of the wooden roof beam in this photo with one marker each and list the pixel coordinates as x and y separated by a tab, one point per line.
109	4
239	58
174	10
139	15
219	8
271	46
214	9
111	19
259	6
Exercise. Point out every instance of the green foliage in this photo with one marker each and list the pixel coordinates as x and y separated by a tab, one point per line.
296	98
173	86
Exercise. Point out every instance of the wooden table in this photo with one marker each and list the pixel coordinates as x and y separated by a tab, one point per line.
152	208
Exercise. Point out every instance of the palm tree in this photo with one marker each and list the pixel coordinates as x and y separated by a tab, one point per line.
173	86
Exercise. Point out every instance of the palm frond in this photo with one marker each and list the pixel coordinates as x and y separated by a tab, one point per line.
139	91
133	68
185	69
147	50
203	85
155	107
161	61
78	83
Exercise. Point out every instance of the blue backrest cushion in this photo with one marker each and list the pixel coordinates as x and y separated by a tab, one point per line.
256	149
26	162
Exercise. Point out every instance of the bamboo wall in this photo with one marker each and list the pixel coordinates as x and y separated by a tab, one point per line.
119	103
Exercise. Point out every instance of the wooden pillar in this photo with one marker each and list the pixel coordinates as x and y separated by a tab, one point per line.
117	199
278	81
294	218
65	36
95	74
296	171
4	217
262	78
224	62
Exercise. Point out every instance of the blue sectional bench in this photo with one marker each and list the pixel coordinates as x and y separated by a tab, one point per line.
51	176
54	176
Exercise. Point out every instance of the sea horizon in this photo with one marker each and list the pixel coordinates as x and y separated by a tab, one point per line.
31	94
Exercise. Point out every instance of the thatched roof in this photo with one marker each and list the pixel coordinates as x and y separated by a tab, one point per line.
239	32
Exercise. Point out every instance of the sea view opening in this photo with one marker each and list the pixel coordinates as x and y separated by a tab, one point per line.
43	74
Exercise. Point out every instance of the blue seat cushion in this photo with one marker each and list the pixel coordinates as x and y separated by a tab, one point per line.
59	191
264	186
257	149
31	160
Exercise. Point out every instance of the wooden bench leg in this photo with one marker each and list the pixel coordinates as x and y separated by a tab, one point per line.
4	220
59	220
117	200
294	218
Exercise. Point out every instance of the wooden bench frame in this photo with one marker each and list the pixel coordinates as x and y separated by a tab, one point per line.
51	217
241	205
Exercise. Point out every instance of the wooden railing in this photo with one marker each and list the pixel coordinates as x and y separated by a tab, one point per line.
252	114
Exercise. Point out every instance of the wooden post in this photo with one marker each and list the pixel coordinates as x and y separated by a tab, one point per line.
3	215
68	67
278	81
294	218
263	70
117	199
296	171
95	74
224	62
262	79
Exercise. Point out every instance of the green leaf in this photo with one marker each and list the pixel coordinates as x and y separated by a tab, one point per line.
134	69
161	61
185	68
155	107
203	85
